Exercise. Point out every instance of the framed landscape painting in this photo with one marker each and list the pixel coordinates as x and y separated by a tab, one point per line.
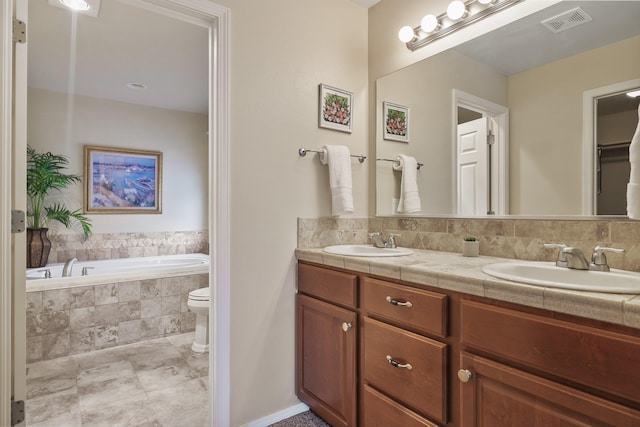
336	109
396	122
119	180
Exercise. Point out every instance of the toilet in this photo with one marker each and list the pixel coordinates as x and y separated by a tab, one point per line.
198	302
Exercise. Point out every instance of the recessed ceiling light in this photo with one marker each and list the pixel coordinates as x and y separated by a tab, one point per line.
137	86
634	94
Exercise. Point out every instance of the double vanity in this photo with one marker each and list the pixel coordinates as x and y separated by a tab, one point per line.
408	337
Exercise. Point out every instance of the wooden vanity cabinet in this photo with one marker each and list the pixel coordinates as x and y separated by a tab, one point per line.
525	369
475	362
326	343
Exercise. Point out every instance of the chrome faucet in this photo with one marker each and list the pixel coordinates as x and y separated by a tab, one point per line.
575	258
569	257
68	267
379	242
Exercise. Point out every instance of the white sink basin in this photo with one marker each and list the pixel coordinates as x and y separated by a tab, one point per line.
548	274
366	251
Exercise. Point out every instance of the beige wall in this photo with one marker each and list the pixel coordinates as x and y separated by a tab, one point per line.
427	89
281	50
64	126
546	155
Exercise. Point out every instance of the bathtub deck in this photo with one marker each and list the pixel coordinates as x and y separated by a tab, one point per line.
159	382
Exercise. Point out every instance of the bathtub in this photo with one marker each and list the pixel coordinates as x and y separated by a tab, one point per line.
116	270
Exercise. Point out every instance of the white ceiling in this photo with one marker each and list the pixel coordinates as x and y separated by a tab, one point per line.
526	44
98	57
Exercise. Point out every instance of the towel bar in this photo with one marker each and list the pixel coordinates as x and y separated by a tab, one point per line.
303	152
395	161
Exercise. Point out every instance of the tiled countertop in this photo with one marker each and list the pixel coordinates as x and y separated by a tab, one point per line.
454	272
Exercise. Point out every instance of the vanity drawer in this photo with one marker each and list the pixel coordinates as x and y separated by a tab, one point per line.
380	411
329	285
422	387
596	358
415	308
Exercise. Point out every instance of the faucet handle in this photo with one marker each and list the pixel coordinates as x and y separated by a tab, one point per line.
47	273
85	270
562	256
392	240
599	259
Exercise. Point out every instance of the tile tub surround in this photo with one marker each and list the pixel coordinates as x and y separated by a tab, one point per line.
452	271
514	238
63	322
66	244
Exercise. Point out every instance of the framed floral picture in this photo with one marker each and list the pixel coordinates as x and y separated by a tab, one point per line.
336	109
119	180
395	122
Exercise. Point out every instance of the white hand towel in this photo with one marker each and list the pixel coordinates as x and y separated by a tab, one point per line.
633	188
409	195
338	158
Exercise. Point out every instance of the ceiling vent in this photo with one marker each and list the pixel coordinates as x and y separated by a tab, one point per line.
566	20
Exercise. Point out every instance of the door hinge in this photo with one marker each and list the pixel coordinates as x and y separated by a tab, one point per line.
17	412
491	138
17	222
19	31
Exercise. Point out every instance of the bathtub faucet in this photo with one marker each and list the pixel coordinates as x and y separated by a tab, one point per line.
68	266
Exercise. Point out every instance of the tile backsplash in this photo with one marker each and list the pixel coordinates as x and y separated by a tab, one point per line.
505	238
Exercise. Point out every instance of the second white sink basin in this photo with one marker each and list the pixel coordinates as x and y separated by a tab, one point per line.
366	251
548	274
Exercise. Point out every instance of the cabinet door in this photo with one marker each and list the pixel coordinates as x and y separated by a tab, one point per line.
495	395
326	360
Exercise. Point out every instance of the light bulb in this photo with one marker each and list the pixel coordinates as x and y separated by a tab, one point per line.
429	24
76	4
456	10
634	94
406	34
486	1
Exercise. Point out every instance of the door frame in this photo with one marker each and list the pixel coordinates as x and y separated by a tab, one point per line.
589	132
499	115
6	78
219	201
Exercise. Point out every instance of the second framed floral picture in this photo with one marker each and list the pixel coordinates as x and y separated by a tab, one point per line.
396	122
336	109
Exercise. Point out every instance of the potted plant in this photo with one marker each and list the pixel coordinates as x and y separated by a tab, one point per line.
44	174
470	247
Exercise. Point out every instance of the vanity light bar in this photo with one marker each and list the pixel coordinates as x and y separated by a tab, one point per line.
475	11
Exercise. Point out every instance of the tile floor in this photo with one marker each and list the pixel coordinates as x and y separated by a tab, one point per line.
159	383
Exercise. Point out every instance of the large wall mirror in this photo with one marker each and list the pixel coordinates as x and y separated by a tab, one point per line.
530	119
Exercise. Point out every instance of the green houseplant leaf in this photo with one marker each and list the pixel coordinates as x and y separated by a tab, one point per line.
45	174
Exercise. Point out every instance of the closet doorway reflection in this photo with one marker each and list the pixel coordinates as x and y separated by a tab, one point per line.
616	121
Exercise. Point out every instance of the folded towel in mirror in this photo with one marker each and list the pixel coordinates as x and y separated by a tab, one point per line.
409	195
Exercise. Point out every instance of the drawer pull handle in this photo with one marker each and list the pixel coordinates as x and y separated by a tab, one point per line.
399	303
464	375
397	364
346	326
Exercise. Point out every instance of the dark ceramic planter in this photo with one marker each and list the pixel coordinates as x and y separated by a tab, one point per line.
38	247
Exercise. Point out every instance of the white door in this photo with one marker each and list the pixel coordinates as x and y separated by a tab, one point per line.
472	158
12	197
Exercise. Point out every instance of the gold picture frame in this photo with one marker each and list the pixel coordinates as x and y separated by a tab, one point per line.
122	181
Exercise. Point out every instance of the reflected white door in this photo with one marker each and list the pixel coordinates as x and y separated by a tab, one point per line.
472	168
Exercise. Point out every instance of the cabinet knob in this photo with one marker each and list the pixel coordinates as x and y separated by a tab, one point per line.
397	364
346	326
464	375
393	301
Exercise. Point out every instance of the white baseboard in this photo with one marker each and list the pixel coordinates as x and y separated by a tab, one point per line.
279	416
